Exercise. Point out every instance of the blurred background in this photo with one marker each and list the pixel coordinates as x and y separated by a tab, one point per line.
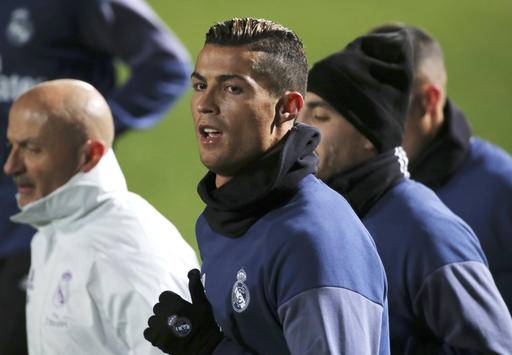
162	163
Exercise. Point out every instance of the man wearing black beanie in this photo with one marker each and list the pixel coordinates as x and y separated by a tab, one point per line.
442	297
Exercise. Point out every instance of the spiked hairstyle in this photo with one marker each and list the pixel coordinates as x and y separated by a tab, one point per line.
282	62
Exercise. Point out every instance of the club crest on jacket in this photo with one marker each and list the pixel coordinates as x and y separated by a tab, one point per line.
61	295
240	296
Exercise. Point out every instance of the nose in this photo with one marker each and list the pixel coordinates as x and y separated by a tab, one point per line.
13	165
206	102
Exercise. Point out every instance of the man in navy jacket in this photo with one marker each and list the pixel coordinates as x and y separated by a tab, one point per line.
51	39
472	176
442	297
288	267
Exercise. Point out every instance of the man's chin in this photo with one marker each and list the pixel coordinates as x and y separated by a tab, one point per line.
213	164
24	199
222	170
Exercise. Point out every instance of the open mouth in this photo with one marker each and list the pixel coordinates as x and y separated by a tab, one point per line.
25	189
209	134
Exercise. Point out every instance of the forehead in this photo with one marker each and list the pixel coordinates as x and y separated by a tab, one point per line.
313	101
25	122
311	97
215	60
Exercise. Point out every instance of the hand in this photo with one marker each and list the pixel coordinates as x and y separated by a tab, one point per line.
179	327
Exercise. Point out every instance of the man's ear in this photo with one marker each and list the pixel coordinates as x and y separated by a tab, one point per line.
93	152
432	101
288	107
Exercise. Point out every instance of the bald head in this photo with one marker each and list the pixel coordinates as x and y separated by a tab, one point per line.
73	109
56	129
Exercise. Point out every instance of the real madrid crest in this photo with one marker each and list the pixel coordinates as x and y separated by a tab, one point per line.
240	296
20	28
61	295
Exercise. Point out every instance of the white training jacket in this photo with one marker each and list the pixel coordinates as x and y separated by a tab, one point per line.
100	259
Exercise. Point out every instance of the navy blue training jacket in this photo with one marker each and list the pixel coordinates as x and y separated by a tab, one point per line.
304	279
442	297
480	192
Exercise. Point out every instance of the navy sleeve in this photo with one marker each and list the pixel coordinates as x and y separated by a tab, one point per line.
159	64
329	288
462	305
332	320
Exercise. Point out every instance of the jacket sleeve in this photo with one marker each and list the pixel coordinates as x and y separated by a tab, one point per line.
327	320
158	63
344	322
461	304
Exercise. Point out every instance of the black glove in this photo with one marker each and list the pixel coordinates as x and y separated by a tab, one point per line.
182	328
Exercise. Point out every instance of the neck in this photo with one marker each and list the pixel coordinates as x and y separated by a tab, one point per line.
365	184
440	160
221	180
362	158
420	131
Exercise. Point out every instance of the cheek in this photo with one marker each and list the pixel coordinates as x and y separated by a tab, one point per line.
324	152
327	138
266	109
333	148
254	123
57	172
42	176
36	166
193	108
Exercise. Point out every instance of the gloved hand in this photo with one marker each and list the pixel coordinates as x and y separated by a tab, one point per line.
182	328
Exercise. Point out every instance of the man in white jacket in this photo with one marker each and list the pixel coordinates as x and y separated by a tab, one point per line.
102	254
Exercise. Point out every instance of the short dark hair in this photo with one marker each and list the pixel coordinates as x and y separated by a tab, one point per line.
283	63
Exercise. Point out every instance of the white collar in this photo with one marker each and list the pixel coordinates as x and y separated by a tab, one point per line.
77	197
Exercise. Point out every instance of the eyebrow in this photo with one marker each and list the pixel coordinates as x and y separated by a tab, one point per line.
221	78
197	76
23	142
315	104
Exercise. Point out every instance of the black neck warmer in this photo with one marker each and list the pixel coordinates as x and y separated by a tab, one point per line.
264	185
365	184
443	157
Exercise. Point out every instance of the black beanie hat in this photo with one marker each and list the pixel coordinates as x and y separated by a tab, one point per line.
369	83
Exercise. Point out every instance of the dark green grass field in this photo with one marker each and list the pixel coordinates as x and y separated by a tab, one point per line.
162	163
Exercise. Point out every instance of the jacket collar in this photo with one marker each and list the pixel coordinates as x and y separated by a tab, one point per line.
263	186
365	184
76	198
445	155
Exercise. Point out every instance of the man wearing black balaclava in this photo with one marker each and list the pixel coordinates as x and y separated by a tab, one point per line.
442	297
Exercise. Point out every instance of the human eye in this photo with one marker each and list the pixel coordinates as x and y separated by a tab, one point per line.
199	86
34	150
31	148
234	89
321	118
321	115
